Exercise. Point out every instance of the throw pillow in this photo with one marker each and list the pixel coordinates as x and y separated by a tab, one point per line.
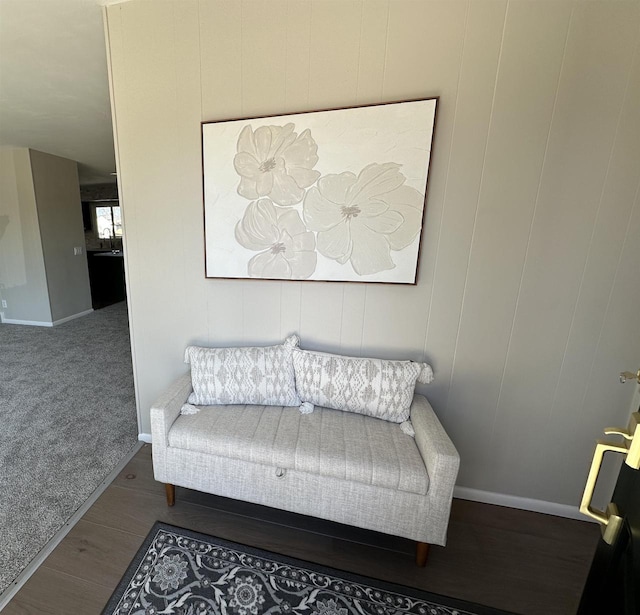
375	387
246	375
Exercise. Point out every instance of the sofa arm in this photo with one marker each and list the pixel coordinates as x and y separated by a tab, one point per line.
166	409
438	452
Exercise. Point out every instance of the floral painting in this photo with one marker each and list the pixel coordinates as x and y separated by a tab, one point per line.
330	195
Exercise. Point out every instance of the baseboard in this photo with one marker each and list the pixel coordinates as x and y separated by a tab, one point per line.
72	317
42	323
34	564
32	323
144	437
513	501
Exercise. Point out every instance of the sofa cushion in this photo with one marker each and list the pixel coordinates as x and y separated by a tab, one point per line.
376	387
327	442
244	375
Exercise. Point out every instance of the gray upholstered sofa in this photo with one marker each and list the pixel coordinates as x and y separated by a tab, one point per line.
336	465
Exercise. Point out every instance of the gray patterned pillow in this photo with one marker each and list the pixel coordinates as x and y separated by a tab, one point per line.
248	375
375	387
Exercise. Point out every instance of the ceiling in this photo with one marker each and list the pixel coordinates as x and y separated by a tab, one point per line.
54	91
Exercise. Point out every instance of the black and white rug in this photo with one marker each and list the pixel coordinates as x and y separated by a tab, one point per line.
180	572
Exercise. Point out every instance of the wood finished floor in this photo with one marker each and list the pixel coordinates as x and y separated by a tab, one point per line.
515	560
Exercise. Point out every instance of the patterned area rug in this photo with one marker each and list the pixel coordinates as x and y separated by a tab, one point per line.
182	572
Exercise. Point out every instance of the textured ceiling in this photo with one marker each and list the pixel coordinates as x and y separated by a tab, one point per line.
54	92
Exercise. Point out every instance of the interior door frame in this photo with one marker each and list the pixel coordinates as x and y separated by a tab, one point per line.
635	400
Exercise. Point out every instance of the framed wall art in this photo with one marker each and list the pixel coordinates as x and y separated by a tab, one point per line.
333	195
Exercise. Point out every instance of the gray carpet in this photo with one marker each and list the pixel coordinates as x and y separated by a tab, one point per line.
67	417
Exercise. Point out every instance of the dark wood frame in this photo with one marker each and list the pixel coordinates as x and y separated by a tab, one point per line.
260	117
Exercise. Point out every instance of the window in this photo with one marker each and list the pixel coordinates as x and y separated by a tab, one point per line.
108	221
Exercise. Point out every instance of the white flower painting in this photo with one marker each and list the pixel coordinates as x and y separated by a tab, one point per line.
360	219
287	249
275	161
330	195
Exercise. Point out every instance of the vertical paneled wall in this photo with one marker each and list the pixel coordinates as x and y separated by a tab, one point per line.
528	289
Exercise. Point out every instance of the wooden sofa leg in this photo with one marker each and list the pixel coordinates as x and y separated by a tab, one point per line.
171	494
422	551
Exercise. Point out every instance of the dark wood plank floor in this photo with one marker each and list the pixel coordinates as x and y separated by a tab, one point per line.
520	561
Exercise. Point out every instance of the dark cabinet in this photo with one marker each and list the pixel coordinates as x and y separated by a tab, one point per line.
106	277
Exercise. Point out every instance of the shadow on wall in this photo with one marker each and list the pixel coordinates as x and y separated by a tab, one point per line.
13	271
12	264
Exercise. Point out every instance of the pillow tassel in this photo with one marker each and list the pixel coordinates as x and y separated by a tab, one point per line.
426	375
189	409
407	428
306	407
292	341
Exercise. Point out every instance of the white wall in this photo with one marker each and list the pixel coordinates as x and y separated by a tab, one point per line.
41	279
23	280
528	293
57	191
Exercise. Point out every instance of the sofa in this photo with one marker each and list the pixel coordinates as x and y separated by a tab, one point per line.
340	438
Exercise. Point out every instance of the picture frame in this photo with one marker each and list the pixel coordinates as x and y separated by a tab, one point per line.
337	195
